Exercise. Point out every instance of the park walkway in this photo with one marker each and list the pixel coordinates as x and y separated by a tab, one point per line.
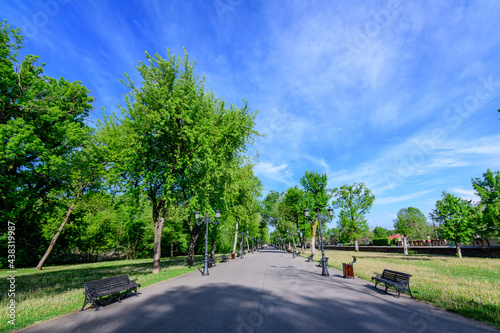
268	291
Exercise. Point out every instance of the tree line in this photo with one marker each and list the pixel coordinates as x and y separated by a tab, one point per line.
131	184
459	220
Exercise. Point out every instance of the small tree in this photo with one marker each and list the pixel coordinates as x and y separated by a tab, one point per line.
380	232
316	193
355	201
406	223
488	189
457	218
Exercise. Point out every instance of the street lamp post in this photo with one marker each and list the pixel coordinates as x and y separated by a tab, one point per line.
322	218
248	241
294	245
242	244
206	219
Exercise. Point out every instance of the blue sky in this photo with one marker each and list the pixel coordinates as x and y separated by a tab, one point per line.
399	95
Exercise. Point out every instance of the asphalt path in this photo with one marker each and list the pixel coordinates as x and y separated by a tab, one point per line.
268	291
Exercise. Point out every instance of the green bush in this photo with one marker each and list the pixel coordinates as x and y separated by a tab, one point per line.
381	241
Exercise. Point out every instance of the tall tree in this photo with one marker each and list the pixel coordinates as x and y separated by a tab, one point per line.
42	127
174	140
457	218
293	205
84	172
407	223
488	189
354	201
316	198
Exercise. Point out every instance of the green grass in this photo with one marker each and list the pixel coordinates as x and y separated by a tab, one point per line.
469	286
58	290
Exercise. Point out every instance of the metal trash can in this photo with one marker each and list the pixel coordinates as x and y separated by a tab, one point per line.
348	271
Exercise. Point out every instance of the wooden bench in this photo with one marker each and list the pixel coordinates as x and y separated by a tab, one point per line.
104	287
310	258
211	262
321	262
224	258
400	281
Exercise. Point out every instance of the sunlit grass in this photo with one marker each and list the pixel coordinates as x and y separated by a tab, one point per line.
58	290
469	286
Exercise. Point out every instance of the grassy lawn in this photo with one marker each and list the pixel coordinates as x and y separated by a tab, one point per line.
469	286
58	290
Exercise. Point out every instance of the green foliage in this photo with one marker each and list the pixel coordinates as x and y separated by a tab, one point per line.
42	135
177	144
457	218
412	222
488	189
379	232
382	241
354	201
317	195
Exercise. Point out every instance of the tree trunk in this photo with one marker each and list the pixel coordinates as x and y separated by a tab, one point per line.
248	245
195	232
157	241
171	249
405	246
235	238
356	246
212	250
313	245
61	227
302	243
459	250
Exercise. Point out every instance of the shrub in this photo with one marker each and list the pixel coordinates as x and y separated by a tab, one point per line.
381	241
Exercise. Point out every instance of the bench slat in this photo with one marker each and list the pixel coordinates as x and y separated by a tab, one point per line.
104	287
398	280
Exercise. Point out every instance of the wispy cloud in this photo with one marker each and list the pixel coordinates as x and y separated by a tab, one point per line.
390	200
279	173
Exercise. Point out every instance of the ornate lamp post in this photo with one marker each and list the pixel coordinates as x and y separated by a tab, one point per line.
206	219
294	244
321	218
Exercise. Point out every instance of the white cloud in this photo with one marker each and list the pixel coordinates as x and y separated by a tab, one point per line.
466	194
280	173
390	200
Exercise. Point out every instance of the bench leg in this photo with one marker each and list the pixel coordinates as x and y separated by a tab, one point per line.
89	300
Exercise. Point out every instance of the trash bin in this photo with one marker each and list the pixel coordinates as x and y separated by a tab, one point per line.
232	255
348	271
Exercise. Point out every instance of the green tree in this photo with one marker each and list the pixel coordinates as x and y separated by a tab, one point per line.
293	204
407	223
42	129
379	232
333	235
316	197
354	201
174	142
488	189
457	219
